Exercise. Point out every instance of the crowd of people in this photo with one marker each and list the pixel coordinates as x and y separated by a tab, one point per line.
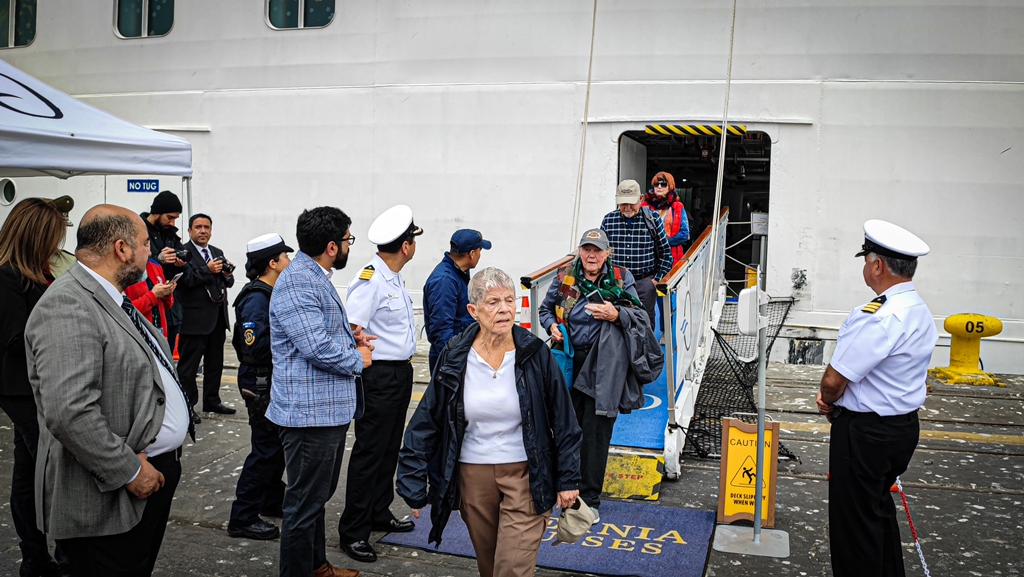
507	430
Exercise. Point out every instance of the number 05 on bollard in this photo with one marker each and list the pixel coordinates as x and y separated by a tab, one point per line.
967	330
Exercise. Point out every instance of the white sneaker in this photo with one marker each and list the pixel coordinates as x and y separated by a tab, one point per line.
597	517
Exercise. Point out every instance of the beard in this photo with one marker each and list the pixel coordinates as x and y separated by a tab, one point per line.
340	261
128	275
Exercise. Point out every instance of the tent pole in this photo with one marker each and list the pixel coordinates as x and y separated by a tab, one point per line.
188	196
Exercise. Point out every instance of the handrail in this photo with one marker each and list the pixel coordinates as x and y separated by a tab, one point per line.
528	280
676	273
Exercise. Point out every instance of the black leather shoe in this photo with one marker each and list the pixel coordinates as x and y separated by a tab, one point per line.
360	551
46	569
394	526
219	409
259	531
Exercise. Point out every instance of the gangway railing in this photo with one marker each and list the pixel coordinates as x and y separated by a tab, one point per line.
687	327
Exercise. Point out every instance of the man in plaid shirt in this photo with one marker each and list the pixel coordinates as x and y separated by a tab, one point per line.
639	243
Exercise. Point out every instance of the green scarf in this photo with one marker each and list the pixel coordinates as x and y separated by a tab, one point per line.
606	285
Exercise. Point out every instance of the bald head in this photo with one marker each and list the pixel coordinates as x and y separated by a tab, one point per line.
102	226
114	243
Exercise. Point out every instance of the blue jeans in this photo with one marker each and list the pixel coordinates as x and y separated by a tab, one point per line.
312	457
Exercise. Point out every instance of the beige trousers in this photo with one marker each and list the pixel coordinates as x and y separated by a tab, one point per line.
498	511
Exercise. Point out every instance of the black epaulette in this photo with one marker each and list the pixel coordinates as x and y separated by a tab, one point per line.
367	273
873	306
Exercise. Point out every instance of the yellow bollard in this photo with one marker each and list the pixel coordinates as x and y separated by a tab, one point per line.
967	330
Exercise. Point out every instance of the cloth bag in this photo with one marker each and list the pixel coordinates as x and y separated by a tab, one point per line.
564	355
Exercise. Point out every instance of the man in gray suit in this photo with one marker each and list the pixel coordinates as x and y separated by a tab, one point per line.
114	413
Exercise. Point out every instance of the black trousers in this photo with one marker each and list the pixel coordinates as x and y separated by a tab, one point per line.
210	350
866	454
260	490
597	436
648	296
22	411
370	485
133	553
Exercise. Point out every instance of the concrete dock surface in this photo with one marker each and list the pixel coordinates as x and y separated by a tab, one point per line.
965	487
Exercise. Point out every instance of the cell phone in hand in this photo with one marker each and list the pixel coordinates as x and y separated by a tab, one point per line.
594	298
176	277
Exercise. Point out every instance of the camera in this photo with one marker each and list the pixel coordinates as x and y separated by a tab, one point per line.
228	267
183	254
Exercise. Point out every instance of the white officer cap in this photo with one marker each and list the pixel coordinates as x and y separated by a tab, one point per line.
887	239
393	224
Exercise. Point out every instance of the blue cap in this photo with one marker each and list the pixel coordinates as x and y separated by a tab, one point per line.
465	240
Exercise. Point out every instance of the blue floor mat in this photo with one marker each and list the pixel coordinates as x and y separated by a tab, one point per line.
632	539
645	429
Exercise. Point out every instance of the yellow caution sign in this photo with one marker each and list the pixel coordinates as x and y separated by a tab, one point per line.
738	474
634	474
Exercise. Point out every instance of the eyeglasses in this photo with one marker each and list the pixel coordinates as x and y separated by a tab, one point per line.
351	240
661	183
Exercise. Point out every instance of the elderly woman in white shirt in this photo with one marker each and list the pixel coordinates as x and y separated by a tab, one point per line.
497	432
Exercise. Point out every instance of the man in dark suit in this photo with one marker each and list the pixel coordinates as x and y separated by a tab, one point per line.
203	294
114	415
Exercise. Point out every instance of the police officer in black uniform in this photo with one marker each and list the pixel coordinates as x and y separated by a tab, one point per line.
260	489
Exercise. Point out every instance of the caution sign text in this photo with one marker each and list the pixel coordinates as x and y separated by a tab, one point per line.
738	475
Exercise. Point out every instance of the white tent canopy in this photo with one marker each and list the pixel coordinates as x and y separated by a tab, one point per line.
46	132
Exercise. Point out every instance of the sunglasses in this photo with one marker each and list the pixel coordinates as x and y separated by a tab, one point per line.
661	183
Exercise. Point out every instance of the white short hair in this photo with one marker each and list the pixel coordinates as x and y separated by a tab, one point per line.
487	279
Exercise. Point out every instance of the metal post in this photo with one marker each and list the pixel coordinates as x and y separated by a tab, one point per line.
762	366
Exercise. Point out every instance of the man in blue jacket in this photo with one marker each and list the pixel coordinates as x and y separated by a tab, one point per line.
315	389
446	295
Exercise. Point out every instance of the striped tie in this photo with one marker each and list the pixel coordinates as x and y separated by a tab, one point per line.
206	255
133	314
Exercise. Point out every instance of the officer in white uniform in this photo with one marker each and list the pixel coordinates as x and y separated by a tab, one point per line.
871	391
378	302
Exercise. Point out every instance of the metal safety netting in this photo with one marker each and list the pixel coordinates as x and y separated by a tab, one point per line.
729	381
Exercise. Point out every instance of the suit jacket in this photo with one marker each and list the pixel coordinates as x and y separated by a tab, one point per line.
101	401
16	303
198	293
316	363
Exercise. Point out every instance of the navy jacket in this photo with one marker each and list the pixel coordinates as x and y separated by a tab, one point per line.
434	436
445	296
251	337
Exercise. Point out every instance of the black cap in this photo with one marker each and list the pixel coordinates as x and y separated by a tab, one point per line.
164	203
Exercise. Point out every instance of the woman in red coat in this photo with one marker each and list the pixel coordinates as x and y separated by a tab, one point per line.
665	202
153	296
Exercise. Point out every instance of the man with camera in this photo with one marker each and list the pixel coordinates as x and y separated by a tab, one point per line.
203	294
166	248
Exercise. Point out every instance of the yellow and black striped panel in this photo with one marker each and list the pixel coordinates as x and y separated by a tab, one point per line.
694	129
873	306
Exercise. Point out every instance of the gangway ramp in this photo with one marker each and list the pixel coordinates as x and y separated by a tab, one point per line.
648	443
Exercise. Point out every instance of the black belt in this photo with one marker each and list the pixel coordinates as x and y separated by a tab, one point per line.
392	363
168	457
643	275
837	410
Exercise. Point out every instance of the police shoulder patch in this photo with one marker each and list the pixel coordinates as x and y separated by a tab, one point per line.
873	306
367	273
250	337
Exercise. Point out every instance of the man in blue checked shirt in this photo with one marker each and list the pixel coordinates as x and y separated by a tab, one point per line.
315	388
639	243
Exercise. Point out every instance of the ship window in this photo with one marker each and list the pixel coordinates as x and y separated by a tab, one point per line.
17	23
287	14
143	18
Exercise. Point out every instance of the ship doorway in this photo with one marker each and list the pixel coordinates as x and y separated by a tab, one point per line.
690	153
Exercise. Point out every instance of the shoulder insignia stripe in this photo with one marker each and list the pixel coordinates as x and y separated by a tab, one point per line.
367	273
873	306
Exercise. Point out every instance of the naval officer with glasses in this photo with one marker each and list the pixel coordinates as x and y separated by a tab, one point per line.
379	304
